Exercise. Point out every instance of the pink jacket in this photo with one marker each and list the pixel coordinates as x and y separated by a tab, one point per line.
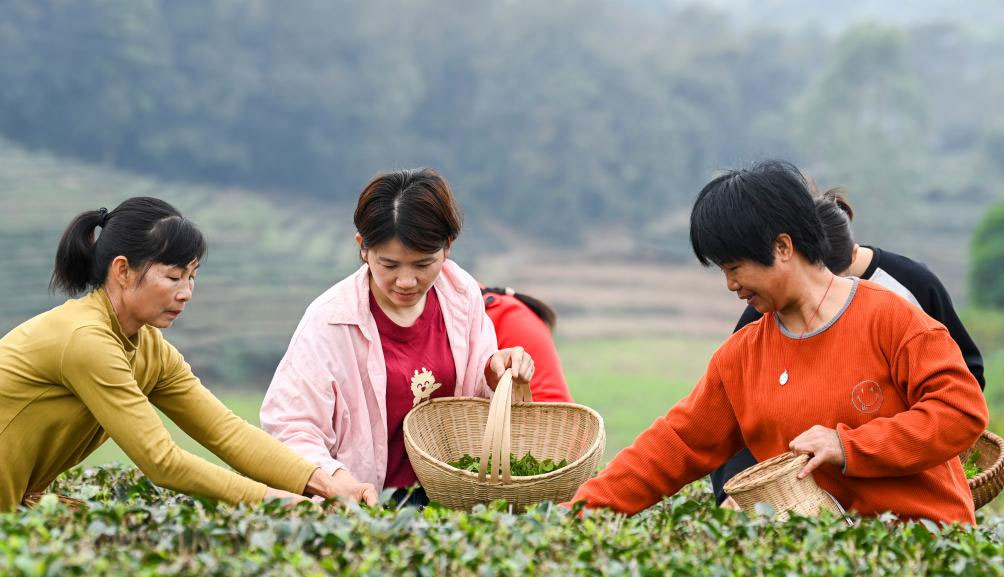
327	400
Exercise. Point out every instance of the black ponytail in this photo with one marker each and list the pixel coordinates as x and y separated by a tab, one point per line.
75	255
837	196
835	214
539	307
144	230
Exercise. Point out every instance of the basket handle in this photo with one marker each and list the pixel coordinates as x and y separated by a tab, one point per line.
496	444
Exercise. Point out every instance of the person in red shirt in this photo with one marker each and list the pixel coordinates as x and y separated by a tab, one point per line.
841	369
522	320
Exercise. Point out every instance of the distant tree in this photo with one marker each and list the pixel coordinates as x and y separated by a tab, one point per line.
995	148
986	280
862	122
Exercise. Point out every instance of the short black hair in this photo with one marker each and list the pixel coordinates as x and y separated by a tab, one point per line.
738	215
414	206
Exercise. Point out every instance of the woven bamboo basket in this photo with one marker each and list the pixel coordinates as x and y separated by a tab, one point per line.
30	500
775	481
989	483
443	430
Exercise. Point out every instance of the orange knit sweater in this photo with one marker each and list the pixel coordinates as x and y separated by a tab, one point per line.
887	377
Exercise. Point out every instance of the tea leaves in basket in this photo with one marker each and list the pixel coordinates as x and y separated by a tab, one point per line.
972	465
524	467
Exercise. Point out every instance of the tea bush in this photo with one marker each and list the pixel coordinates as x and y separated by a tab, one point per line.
131	527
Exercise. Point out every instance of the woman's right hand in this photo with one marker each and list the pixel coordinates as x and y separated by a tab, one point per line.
516	359
730	503
341	485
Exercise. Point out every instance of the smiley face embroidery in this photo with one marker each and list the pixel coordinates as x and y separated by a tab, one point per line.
866	397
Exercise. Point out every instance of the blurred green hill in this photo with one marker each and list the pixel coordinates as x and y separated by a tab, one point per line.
562	117
834	16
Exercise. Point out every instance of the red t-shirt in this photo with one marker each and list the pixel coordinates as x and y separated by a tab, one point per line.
517	325
419	366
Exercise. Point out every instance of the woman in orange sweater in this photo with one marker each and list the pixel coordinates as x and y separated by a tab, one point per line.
841	369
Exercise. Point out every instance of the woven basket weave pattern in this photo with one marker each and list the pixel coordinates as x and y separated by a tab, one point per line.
989	483
775	481
33	499
442	430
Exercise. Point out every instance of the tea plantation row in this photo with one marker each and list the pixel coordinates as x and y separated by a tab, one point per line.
131	527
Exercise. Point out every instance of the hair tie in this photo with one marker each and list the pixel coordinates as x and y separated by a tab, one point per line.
102	216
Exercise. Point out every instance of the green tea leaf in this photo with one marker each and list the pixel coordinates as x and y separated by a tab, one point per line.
972	465
525	466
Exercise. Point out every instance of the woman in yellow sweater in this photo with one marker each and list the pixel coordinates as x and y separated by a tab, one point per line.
95	367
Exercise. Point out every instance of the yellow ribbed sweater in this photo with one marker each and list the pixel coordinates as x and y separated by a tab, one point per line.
69	379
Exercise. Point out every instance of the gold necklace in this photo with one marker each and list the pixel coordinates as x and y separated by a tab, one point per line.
783	379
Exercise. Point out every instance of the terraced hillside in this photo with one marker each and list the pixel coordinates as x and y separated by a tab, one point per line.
266	261
269	258
603	296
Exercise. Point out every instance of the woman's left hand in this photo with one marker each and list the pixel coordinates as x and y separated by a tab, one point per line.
516	359
824	446
291	499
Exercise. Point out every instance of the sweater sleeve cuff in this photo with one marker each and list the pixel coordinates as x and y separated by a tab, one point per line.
256	493
301	476
842	429
329	467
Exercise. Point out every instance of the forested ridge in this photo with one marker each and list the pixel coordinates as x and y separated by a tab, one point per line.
605	113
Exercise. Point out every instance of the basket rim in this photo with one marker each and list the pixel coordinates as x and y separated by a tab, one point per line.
524	479
993	470
781	465
33	498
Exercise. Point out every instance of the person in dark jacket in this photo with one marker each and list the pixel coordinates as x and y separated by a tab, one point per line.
906	277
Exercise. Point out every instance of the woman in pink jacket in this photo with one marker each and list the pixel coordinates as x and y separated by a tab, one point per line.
409	325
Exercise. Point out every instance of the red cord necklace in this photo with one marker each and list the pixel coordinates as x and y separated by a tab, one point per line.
783	379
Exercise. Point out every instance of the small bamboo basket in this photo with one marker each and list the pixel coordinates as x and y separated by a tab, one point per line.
988	484
775	482
31	500
443	430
